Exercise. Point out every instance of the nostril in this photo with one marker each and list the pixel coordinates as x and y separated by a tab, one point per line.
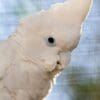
58	62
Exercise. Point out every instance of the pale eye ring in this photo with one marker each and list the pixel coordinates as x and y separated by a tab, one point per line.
51	41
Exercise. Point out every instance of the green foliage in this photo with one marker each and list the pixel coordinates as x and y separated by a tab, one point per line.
84	86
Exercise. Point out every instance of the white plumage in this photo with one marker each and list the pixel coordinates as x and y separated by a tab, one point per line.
40	48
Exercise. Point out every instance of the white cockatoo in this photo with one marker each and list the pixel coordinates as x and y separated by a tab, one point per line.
40	48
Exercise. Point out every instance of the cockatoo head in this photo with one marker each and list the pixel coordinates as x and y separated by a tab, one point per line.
51	35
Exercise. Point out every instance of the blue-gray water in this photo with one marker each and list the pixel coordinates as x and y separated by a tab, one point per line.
86	55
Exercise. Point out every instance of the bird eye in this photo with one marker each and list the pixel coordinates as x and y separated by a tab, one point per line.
51	41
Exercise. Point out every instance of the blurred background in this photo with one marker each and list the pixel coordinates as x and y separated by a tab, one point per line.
81	80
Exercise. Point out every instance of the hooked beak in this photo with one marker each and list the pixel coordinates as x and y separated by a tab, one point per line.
64	60
60	64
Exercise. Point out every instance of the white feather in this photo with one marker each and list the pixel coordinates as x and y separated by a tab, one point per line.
27	63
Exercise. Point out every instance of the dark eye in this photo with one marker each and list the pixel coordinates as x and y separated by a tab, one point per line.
51	41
